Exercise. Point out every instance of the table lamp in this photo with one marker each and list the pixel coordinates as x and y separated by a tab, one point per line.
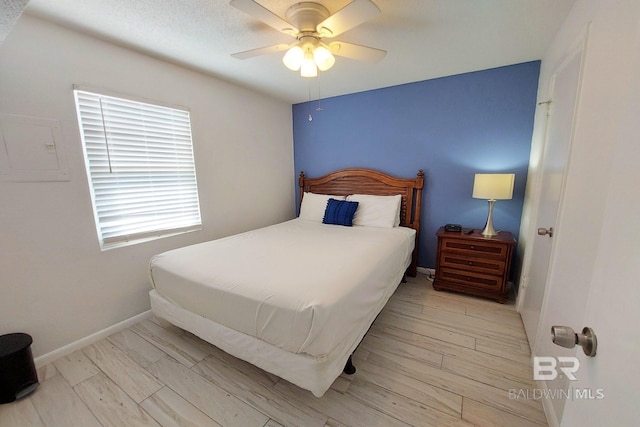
492	187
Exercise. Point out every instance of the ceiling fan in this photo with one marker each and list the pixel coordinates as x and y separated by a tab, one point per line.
310	23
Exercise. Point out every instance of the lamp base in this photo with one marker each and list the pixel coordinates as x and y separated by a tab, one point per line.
489	231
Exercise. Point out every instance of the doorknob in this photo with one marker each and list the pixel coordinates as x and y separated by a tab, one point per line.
564	336
546	231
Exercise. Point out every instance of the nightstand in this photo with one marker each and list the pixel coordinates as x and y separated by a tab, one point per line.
474	264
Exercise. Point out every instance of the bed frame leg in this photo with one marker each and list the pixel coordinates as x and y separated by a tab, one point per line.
404	278
349	369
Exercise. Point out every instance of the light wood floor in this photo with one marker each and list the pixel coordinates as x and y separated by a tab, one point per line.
430	359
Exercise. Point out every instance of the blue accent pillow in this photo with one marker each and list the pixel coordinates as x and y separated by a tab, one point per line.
340	212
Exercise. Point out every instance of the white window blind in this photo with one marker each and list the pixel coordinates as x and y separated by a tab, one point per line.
141	170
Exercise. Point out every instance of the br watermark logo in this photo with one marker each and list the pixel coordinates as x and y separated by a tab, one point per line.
548	369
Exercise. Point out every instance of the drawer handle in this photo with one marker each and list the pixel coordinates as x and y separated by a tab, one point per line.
470	262
472	247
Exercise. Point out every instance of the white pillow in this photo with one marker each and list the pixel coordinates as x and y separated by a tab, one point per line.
314	205
377	211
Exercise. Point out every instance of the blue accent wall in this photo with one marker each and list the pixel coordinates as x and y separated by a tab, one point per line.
451	127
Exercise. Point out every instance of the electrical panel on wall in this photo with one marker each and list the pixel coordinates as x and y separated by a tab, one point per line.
31	150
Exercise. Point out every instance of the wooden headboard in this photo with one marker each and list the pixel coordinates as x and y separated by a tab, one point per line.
368	181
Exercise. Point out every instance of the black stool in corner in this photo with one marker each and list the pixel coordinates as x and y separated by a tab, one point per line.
18	376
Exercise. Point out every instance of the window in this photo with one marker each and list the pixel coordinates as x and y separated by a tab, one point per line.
141	170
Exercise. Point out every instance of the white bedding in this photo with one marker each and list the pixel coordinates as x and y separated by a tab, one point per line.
300	286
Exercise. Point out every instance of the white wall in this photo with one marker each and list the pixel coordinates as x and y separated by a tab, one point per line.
55	283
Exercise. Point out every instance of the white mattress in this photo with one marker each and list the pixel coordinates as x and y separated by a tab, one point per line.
301	286
315	374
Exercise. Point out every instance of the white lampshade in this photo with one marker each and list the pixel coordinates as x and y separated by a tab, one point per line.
323	57
308	67
493	186
293	58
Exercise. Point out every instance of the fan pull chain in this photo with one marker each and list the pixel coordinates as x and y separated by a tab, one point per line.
309	86
319	107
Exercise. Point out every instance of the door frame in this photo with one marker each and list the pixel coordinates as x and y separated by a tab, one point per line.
579	46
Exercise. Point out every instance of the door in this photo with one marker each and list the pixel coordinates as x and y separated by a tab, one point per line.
605	391
613	308
563	93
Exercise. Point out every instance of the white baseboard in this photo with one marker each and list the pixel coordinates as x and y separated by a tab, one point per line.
428	271
83	342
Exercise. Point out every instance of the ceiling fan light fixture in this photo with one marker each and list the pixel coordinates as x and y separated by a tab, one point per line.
308	58
308	67
293	58
323	58
309	22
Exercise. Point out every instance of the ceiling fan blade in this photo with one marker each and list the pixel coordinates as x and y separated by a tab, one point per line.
350	16
256	10
260	51
357	52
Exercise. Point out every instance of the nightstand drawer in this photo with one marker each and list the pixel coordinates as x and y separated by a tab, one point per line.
470	278
481	265
475	248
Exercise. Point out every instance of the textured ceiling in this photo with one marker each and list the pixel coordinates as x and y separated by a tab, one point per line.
10	11
424	39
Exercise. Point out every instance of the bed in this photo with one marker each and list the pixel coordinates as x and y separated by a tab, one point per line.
279	297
